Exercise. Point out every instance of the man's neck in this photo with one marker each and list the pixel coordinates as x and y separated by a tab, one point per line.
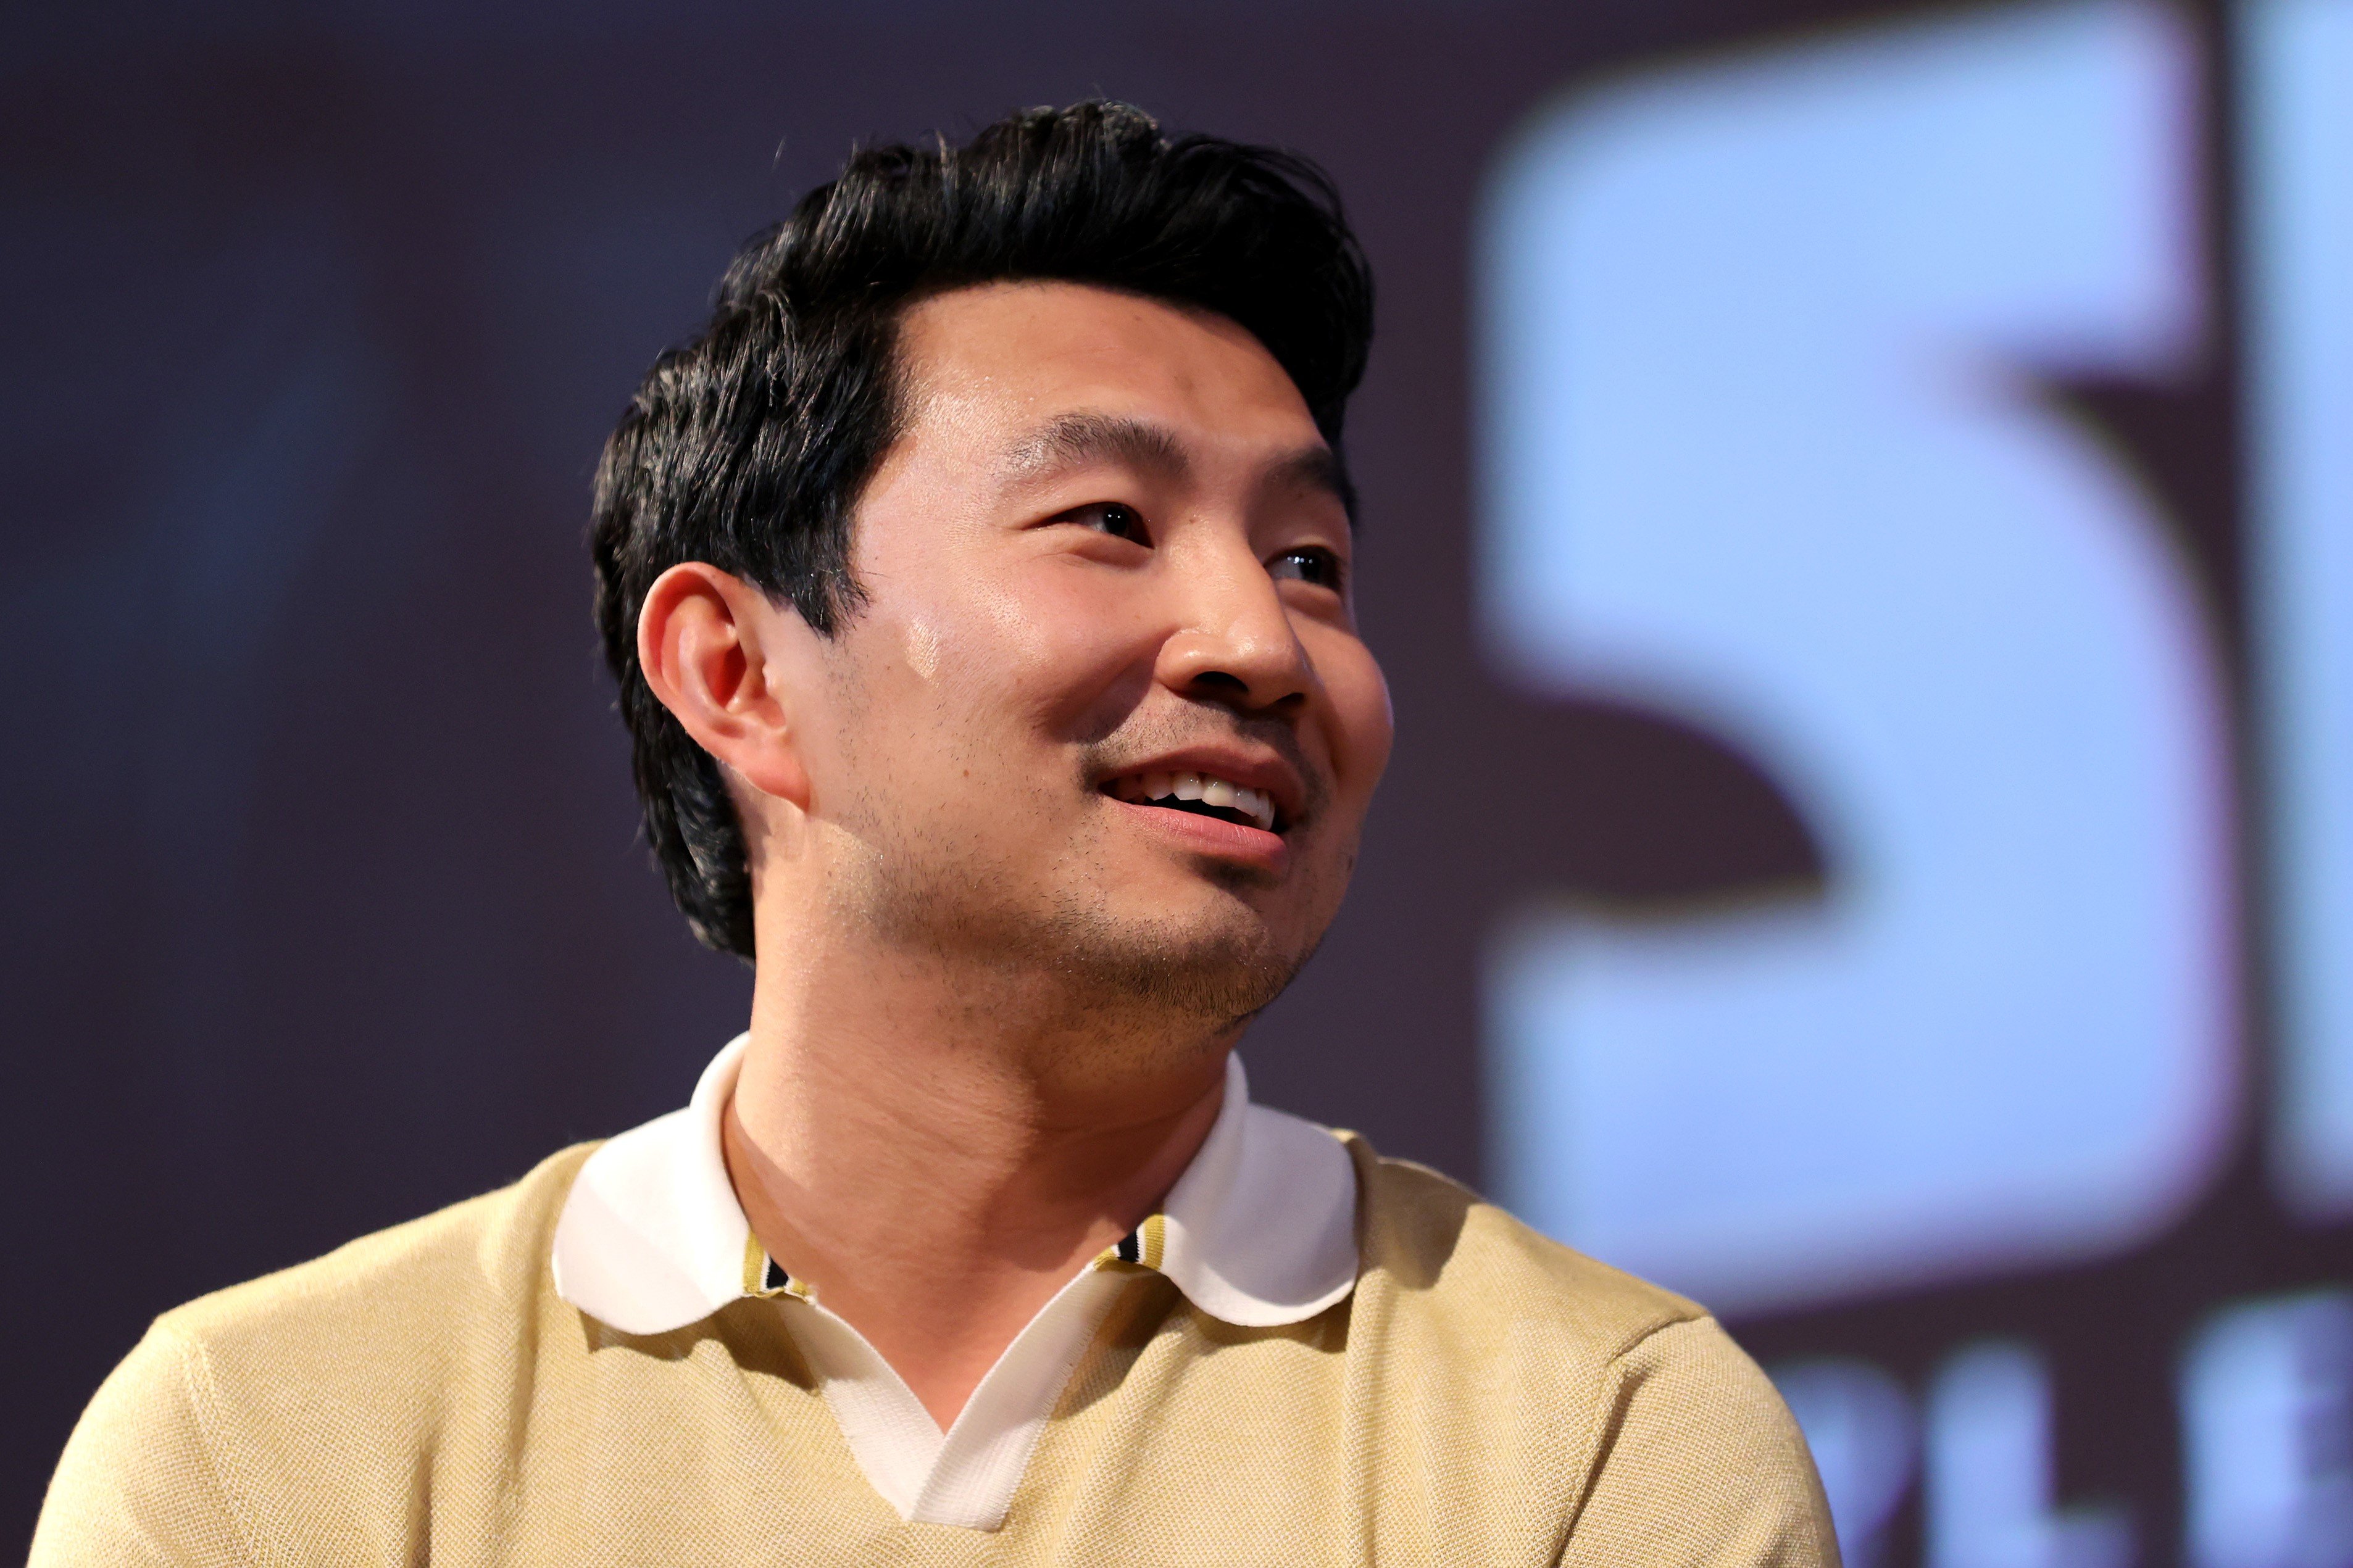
915	1147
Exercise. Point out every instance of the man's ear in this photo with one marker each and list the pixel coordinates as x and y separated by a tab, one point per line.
709	647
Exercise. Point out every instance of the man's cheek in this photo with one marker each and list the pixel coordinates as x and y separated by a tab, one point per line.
1368	727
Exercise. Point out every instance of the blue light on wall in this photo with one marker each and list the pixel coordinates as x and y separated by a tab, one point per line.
1864	1434
2267	1414
2298	95
1765	453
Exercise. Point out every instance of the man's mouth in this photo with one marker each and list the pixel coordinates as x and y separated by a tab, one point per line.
1204	794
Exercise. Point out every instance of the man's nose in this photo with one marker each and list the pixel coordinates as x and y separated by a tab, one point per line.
1236	643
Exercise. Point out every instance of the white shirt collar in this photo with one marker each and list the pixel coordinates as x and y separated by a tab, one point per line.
1260	1230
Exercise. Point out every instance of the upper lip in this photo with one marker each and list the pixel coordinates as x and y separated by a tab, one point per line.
1265	770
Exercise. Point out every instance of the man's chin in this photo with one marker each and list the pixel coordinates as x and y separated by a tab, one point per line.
1216	975
1160	945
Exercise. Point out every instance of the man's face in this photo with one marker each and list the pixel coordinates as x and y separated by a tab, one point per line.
1104	564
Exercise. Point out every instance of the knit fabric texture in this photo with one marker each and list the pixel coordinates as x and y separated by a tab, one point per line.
1483	1397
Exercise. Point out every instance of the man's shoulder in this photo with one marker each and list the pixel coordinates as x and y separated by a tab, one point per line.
321	1383
426	1278
1628	1400
1448	1250
1452	1274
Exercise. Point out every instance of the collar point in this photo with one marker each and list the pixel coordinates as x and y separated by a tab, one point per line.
1242	1312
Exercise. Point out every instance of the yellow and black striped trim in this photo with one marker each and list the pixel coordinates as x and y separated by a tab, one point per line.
764	1277
1143	1248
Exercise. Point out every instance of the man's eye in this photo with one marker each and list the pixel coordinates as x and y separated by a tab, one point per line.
1114	518
1313	564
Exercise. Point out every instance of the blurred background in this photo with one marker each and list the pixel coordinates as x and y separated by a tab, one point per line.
1859	522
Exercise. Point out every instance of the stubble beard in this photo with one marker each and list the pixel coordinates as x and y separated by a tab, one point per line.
1124	988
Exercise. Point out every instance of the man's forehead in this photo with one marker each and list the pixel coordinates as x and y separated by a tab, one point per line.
1011	359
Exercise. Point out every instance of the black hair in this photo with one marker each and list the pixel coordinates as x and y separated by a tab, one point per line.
748	447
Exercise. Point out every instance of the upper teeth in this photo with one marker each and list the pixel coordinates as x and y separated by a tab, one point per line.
1207	788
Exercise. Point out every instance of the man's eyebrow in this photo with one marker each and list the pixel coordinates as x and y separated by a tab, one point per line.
1317	469
1077	440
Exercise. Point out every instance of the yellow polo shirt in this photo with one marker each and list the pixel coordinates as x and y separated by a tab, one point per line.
1311	1355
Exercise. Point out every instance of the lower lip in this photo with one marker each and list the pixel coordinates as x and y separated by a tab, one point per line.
1211	834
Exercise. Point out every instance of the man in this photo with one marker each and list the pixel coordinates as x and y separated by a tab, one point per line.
978	584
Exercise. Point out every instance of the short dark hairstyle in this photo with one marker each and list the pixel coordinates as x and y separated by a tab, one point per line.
748	447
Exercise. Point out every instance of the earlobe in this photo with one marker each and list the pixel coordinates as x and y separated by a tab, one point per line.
701	637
